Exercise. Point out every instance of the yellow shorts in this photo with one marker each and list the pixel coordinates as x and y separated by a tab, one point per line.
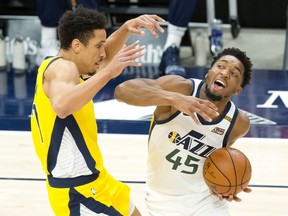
104	195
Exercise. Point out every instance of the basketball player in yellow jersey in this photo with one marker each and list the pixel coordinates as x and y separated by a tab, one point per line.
63	121
192	118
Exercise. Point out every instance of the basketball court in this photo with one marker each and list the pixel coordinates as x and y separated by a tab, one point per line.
123	141
22	184
123	137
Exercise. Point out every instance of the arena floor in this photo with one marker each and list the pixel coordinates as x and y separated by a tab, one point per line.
22	184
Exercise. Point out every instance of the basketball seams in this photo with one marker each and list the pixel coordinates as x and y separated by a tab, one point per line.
226	184
221	173
247	163
234	168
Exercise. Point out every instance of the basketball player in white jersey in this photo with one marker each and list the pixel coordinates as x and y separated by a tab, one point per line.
192	118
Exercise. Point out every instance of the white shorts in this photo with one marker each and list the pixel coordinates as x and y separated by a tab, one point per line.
203	204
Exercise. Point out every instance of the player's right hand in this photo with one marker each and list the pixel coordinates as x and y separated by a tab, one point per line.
231	197
125	57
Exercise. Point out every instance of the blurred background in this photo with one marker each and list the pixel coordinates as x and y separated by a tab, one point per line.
259	28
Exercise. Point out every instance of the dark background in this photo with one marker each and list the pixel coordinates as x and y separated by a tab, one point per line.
252	13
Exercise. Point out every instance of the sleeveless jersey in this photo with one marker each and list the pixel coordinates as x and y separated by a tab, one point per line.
67	148
178	148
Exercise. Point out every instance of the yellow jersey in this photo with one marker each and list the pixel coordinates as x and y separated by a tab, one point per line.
67	148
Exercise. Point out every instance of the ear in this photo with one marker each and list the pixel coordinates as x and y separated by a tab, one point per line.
238	91
76	46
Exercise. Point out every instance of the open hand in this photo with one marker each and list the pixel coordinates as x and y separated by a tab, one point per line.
149	22
126	57
231	197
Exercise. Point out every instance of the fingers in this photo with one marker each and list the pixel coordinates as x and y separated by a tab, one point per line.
151	24
130	53
229	198
148	21
247	190
196	120
205	109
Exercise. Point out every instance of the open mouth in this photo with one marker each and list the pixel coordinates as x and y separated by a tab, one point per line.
219	84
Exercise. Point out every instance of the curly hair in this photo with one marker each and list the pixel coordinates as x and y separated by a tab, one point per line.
79	24
241	56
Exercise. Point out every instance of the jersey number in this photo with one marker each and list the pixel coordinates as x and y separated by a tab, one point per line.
177	161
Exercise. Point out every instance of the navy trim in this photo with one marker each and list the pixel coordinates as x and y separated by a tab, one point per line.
177	112
216	121
198	89
230	127
95	206
71	182
56	139
37	120
56	58
168	119
193	86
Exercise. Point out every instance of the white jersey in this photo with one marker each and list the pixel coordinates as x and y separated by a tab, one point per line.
177	150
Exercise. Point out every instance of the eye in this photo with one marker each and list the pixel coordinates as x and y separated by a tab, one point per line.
220	66
233	74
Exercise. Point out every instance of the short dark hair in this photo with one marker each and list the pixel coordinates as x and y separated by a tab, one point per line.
241	56
79	24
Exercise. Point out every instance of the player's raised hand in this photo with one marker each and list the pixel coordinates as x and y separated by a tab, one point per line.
126	57
150	22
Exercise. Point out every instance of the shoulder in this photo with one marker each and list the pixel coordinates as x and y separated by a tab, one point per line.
61	68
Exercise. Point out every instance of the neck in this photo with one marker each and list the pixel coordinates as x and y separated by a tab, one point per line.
221	104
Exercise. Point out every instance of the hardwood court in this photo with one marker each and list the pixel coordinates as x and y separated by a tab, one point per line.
22	185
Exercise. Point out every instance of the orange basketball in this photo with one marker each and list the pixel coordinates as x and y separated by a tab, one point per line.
227	171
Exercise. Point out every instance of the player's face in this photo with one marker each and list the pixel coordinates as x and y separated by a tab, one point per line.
93	54
224	79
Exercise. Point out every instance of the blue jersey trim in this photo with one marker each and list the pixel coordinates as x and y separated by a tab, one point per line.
71	182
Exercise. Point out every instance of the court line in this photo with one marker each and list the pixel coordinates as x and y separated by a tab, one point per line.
132	182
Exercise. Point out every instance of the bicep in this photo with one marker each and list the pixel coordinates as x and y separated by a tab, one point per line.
59	80
240	128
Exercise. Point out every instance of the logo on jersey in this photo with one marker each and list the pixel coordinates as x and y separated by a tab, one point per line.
93	191
191	142
228	118
218	130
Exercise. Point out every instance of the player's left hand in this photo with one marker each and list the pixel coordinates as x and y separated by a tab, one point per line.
151	22
231	198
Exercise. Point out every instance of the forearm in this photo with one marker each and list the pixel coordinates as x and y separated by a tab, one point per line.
75	97
144	92
116	41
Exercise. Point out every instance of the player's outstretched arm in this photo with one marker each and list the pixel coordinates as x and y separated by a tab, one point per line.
169	91
65	92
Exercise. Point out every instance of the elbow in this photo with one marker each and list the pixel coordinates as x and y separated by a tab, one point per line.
118	93
61	110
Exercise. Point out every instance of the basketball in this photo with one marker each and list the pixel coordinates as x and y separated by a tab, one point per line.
227	171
